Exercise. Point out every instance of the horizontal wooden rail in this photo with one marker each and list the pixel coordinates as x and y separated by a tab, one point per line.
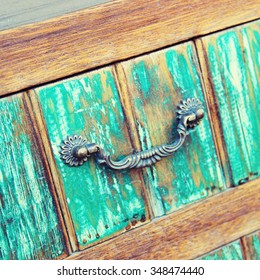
42	52
190	232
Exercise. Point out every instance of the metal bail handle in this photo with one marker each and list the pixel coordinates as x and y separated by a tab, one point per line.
75	150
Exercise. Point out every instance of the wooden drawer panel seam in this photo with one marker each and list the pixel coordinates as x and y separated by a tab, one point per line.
48	156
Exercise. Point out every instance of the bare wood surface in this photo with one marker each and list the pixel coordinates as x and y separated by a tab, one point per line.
14	13
60	47
188	233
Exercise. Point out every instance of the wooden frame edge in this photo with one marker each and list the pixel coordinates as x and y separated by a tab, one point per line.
38	53
224	218
127	107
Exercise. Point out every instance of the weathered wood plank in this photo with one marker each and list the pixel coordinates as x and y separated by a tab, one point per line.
29	224
43	139
232	251
60	47
251	244
102	202
155	84
231	68
221	219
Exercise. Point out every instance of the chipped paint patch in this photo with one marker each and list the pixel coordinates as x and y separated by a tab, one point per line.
234	66
29	225
232	251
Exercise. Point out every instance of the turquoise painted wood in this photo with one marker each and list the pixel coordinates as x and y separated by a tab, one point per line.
233	58
29	227
256	246
232	251
102	202
252	243
155	84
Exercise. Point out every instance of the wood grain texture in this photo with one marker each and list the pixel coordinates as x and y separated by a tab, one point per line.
43	52
155	84
102	202
14	13
221	219
251	244
232	251
30	228
231	71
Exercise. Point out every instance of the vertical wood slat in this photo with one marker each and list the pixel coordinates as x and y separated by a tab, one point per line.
102	202
36	115
30	228
151	87
251	245
231	70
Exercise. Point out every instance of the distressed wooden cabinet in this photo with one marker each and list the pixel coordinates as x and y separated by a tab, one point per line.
202	202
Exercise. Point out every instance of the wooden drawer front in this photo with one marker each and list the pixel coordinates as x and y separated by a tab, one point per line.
29	227
231	65
129	107
49	210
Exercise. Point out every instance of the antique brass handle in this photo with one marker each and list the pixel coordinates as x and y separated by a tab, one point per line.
76	150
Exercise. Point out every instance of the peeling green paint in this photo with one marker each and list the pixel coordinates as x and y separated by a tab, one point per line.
29	225
234	61
252	242
102	202
232	251
156	84
256	246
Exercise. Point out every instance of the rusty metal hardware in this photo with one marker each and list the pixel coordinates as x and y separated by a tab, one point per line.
76	150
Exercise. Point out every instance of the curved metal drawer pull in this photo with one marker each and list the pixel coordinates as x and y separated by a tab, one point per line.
76	150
